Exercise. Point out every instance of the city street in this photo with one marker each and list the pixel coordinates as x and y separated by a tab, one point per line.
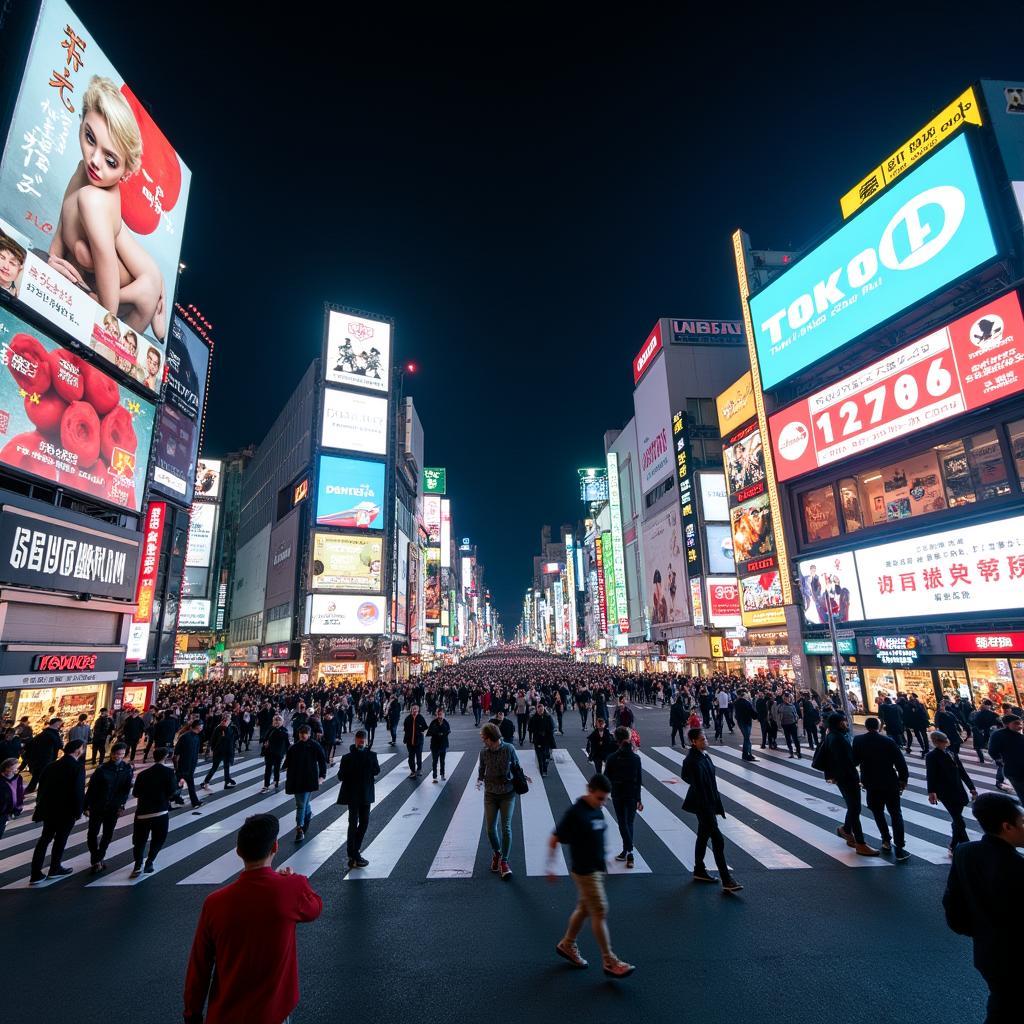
816	932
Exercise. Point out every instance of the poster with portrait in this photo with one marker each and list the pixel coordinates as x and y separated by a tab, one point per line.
831	581
98	194
358	351
752	534
744	461
665	563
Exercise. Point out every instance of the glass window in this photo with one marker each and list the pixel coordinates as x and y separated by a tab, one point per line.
878	683
919	681
849	501
693	410
991	678
1017	447
818	512
953	683
708	412
988	471
712	453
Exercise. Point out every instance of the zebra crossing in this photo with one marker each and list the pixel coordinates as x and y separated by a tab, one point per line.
781	815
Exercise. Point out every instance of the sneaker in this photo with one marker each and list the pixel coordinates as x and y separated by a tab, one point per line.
362	862
36	879
629	860
506	871
299	835
750	757
496	862
616	968
435	780
866	851
96	868
731	886
886	846
621	856
412	775
230	784
136	871
570	951
265	789
700	875
59	872
205	786
351	863
149	869
902	854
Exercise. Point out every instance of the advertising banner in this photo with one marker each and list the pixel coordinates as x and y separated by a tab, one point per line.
358	352
753	535
653	424
720	558
761	600
350	493
176	447
435	480
713	498
646	356
743	456
96	197
194	613
827	582
966	365
618	549
593	485
250	582
145	591
963	110
697	603
1005	101
355	422
284	558
347	563
415	606
67	422
446	534
706	332
432	518
602	587
345	615
664	591
432	585
925	232
687	504
208	479
202	524
401	624
736	405
723	601
611	570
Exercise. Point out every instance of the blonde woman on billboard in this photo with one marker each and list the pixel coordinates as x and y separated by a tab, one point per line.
91	246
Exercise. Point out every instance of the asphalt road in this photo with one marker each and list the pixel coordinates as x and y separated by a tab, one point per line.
802	945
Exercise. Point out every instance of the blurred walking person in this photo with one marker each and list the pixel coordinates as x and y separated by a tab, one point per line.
494	774
946	778
305	766
59	805
625	773
358	768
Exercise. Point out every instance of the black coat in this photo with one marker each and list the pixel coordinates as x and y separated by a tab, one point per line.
133	729
438	731
542	731
881	762
110	786
61	791
702	797
102	729
275	746
744	711
834	758
358	769
599	748
506	727
983	875
677	715
946	777
624	771
1008	746
223	741
154	789
305	765
186	753
950	724
915	716
421	730
43	749
165	730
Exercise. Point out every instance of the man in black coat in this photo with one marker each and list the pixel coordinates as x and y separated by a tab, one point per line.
105	797
834	757
624	771
677	720
946	777
948	721
505	726
132	731
983	874
745	715
102	730
305	767
164	730
186	758
153	790
983	721
222	748
703	800
42	751
58	806
542	736
884	775
1007	747
892	719
415	729
359	767
600	743
915	721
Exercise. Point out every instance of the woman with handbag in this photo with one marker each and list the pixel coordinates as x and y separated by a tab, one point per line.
499	774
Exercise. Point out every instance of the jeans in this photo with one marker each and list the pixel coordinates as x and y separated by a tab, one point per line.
745	731
153	829
792	737
881	800
303	812
358	822
478	713
708	830
505	805
851	794
625	815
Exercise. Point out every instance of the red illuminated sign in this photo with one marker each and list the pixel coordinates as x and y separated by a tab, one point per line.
985	643
156	515
643	359
301	491
723	599
65	663
968	364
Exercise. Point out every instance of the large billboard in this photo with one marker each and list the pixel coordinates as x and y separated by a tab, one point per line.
432	585
208	473
665	566
432	518
341	614
347	562
618	548
358	351
65	421
830	582
176	446
926	231
970	363
96	197
355	422
435	480
653	426
723	601
714	500
720	556
350	493
736	405
145	590
249	587
401	619
202	525
283	561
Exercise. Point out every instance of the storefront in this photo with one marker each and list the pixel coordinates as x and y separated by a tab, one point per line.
341	673
193	665
242	661
278	664
994	664
344	661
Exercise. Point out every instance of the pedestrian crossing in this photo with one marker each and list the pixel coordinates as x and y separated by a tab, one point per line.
781	815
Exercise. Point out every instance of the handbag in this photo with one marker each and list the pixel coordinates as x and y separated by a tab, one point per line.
519	783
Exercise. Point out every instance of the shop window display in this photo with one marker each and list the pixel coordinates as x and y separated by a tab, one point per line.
896	682
1016	431
953	683
991	678
818	511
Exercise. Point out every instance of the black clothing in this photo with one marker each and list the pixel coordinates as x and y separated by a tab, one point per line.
599	747
414	731
358	769
582	827
506	728
438	731
305	765
881	762
624	771
109	787
946	777
61	791
154	788
702	796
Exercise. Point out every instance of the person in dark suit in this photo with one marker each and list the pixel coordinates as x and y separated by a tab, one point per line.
949	722
358	768
58	806
274	748
153	791
305	767
884	776
1007	748
12	792
42	751
505	726
983	721
415	728
542	736
102	730
105	797
946	777
392	716
186	758
915	722
703	800
983	875
600	743
165	728
438	731
677	720
624	772
131	732
222	749
892	718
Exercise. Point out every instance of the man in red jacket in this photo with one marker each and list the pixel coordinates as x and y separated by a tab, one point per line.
247	931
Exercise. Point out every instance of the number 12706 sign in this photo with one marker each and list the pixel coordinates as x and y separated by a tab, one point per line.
970	363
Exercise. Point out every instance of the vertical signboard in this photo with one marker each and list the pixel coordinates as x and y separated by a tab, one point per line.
610	572
618	549
138	634
687	504
602	607
570	573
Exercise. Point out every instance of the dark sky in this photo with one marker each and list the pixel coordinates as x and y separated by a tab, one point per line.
525	194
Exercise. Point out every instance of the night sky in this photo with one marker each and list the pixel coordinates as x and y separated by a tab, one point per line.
524	195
